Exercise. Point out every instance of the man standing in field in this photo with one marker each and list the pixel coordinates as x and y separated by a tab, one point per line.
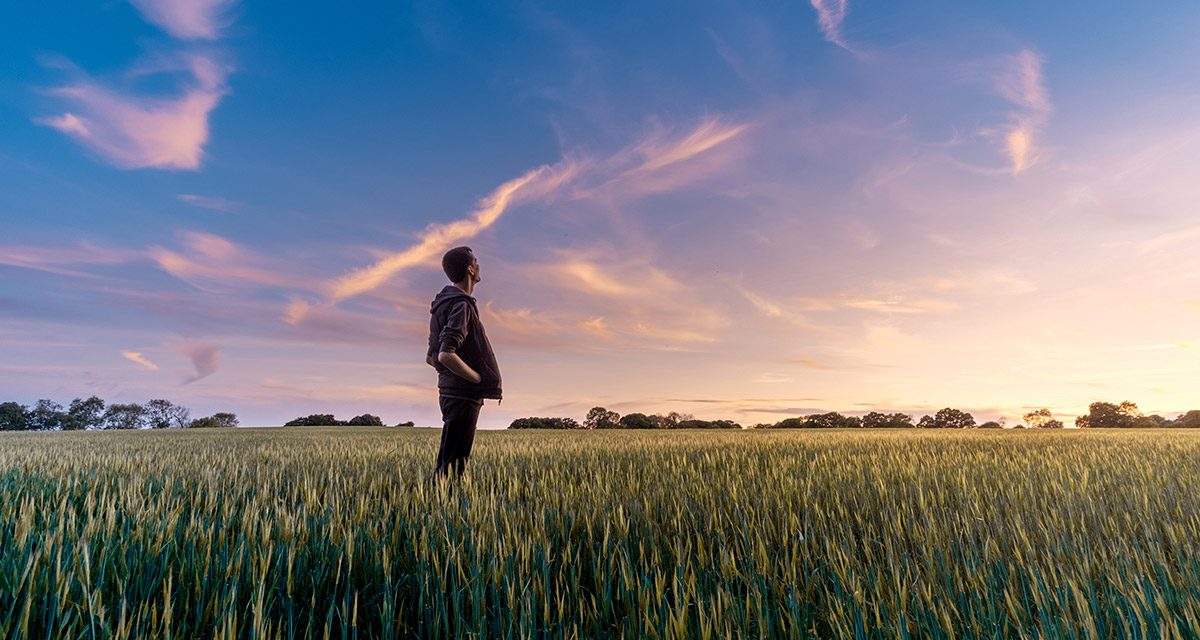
466	366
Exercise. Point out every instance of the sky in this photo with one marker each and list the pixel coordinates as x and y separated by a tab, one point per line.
738	210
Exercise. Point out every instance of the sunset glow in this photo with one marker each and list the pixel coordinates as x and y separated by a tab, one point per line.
732	212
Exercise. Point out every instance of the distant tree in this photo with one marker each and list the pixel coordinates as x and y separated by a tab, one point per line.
832	420
85	414
638	421
179	416
672	419
1160	421
315	420
125	416
225	419
410	423
948	419
1105	415
1189	420
601	418
991	424
159	413
365	420
13	417
791	423
222	420
707	424
877	420
47	415
1042	419
545	423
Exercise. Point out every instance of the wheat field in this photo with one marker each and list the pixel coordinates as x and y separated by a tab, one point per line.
337	533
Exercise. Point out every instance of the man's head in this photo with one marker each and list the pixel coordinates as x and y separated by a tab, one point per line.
460	265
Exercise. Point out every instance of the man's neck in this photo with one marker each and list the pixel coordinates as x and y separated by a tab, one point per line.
466	287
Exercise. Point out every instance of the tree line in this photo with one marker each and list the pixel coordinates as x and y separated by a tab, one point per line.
1100	415
328	420
94	413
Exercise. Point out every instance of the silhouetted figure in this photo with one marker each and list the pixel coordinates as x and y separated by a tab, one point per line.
466	366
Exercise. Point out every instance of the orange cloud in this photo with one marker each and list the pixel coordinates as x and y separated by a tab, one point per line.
134	356
535	184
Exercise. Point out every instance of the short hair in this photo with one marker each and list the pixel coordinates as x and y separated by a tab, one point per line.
455	263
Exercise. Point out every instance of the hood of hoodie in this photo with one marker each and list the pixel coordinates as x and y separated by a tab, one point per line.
447	294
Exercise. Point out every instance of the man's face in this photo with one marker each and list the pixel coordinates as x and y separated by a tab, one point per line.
473	270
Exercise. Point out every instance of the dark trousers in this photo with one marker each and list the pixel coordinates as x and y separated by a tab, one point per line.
459	416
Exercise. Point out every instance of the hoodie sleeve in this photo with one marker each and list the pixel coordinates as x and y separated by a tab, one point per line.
455	331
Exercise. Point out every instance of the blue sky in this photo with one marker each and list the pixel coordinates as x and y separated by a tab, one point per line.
745	211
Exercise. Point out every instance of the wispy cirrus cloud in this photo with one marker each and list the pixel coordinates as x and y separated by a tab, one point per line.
830	14
138	358
57	259
213	264
187	19
576	178
133	130
1021	82
437	238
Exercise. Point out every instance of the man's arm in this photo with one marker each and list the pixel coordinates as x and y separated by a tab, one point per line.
451	361
452	337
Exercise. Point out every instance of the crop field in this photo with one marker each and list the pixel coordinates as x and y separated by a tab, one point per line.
302	532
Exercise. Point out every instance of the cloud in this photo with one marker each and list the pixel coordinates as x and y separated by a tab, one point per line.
659	151
830	14
186	19
577	178
634	279
206	202
895	304
437	238
296	310
768	308
205	359
1020	81
213	263
134	131
134	356
53	259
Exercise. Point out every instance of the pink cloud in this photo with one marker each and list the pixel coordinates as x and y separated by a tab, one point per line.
54	259
186	19
136	131
1020	81
830	14
205	359
213	262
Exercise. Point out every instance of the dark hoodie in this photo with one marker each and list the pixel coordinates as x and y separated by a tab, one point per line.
454	327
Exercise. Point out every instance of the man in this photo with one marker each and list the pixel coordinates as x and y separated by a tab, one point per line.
466	366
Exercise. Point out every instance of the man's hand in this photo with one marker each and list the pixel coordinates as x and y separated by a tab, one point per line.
455	364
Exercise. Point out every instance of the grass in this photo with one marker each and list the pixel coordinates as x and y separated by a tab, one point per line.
337	533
